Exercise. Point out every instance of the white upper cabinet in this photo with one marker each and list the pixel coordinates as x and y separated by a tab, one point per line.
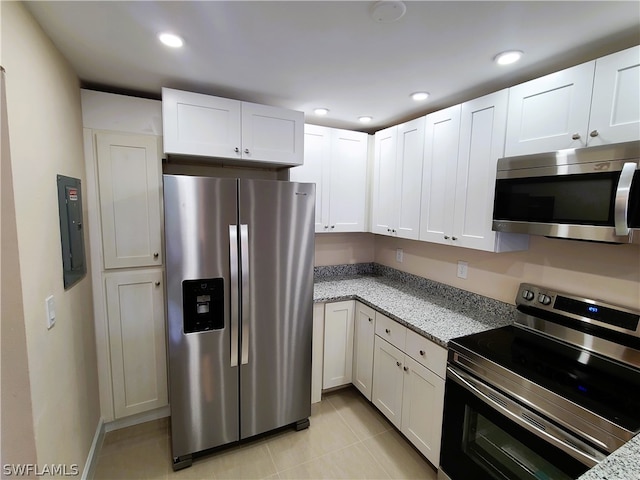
462	146
336	161
204	125
550	112
398	180
439	175
615	107
129	185
593	103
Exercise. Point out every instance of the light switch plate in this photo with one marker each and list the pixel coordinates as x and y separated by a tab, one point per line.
462	269
51	311
399	255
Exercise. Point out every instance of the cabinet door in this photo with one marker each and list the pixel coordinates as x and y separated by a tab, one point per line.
338	344
422	409
129	189
196	124
615	108
363	349
317	153
551	112
439	175
135	309
348	184
387	380
271	134
409	177
482	131
384	211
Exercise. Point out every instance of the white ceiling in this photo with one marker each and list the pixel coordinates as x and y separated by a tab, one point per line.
306	54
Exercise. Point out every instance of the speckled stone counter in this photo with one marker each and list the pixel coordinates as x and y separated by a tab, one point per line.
623	464
436	311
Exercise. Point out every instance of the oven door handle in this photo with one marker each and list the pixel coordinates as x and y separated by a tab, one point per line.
621	205
531	422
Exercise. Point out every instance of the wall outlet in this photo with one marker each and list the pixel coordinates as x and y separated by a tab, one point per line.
399	255
51	311
462	269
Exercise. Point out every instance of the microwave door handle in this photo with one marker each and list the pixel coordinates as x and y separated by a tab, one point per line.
570	449
621	206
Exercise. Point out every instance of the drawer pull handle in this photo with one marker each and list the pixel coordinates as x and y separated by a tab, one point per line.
422	352
406	369
387	330
398	364
371	319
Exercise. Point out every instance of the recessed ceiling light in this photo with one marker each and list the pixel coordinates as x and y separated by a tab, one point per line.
365	119
507	58
171	40
419	96
321	111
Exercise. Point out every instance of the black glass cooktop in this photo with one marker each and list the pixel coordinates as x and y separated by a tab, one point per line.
605	387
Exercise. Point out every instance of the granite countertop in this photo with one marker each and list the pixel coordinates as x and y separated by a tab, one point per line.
441	313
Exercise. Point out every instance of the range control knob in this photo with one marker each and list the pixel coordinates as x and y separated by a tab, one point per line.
544	299
527	295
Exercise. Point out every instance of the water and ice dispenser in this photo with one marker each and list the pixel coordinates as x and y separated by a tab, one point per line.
203	305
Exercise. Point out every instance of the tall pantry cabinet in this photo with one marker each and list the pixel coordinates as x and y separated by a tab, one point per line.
124	188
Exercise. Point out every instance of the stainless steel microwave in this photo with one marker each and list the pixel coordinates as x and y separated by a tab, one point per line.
589	193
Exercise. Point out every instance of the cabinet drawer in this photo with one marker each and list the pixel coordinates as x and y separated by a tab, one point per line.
427	353
391	331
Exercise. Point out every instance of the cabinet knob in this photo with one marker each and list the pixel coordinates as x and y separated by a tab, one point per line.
406	369
156	255
237	150
387	330
371	320
446	237
393	231
398	364
454	238
246	150
422	352
157	284
389	230
333	226
594	133
575	136
326	226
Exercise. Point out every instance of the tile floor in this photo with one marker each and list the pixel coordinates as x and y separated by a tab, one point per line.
348	439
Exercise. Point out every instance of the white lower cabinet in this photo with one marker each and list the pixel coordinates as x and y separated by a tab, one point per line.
363	349
338	344
135	311
408	393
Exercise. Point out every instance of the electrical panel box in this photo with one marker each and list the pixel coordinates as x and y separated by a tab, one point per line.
71	231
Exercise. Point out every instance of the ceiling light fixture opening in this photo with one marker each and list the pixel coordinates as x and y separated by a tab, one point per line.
171	40
388	11
419	96
507	58
365	119
321	111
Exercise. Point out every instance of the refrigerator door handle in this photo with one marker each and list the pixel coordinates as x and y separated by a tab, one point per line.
244	259
233	260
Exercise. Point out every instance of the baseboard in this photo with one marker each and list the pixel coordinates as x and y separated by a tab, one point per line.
156	414
94	452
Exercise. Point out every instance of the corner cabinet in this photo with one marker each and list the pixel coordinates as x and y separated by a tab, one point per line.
336	161
594	103
338	344
397	180
363	345
208	126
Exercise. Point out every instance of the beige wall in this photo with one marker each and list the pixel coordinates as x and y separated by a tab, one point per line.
605	272
343	248
45	131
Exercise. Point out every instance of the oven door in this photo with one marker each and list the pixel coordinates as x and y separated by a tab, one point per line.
488	435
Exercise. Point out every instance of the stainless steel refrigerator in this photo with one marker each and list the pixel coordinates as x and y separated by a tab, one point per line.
239	266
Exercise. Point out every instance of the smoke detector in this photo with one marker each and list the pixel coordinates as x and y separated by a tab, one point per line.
387	11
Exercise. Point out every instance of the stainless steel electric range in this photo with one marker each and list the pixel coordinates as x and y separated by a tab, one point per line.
546	398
